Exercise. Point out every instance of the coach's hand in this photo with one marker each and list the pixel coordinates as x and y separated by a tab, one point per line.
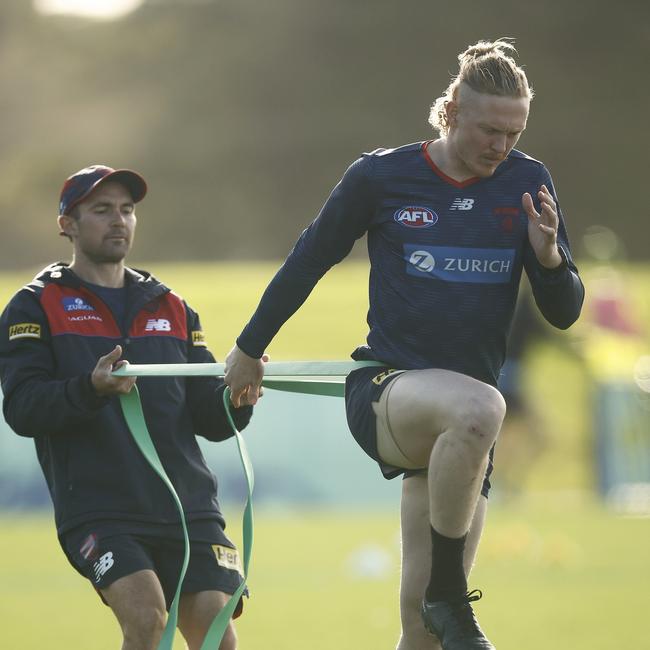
104	381
244	374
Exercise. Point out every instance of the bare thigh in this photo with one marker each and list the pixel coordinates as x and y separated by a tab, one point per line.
419	405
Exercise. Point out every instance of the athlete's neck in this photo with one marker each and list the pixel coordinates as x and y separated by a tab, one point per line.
443	157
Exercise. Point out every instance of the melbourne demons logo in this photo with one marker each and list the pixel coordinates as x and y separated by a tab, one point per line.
415	217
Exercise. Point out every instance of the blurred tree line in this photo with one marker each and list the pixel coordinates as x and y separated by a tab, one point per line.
243	115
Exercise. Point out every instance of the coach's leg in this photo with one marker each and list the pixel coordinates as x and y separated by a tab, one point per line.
195	614
138	602
416	559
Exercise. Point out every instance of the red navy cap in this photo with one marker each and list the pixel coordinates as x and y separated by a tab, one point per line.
78	186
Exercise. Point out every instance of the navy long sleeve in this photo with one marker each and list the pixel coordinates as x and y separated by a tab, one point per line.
446	259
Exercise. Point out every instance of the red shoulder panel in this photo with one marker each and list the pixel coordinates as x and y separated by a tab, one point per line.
77	311
165	316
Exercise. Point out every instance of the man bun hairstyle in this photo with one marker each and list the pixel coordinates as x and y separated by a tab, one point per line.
486	67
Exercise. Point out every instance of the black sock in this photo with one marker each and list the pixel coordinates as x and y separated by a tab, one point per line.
448	580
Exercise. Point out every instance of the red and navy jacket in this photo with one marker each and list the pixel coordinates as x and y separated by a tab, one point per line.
52	333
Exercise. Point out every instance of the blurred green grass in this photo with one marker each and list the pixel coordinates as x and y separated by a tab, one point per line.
558	570
332	323
556	573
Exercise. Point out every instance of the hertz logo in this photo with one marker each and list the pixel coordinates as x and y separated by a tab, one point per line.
198	338
227	557
25	331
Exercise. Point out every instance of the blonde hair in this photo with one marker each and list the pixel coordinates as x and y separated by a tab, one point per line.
486	67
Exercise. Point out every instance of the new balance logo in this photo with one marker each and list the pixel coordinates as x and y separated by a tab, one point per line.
102	565
158	325
462	204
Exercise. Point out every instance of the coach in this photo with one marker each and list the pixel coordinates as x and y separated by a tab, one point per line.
60	338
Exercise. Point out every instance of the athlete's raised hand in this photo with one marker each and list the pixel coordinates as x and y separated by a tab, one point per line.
244	375
104	381
542	227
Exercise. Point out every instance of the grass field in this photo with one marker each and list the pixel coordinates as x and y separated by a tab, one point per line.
332	323
558	570
557	573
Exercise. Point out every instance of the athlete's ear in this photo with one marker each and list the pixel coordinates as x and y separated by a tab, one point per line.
451	110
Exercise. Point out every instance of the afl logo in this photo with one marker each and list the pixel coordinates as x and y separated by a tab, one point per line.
415	217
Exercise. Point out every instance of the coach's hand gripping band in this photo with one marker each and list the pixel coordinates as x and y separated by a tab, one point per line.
315	378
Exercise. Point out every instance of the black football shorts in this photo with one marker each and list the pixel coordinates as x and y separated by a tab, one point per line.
362	388
103	558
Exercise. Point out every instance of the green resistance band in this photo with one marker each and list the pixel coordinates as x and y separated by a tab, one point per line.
310	377
132	409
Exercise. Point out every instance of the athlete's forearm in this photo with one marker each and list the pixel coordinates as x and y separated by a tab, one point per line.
559	294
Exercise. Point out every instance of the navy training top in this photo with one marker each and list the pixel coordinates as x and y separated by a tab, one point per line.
445	261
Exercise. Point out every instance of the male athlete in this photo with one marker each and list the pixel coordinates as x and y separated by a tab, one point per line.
451	225
60	338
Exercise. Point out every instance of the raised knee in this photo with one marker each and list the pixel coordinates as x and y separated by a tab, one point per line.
481	417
